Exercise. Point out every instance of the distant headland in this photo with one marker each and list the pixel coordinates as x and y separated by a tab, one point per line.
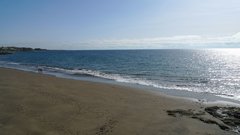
11	50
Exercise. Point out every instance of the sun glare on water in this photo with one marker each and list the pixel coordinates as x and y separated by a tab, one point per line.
228	51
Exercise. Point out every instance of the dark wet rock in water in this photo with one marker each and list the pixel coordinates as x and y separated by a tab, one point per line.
228	115
40	70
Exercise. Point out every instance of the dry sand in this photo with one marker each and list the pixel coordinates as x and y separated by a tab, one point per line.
34	104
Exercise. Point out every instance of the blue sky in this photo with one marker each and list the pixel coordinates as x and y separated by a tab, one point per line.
120	24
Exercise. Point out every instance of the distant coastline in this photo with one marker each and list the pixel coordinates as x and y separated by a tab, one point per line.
11	50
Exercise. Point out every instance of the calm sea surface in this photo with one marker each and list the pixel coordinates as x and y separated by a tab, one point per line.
215	71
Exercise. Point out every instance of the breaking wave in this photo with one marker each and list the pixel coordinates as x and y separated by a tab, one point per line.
114	77
122	78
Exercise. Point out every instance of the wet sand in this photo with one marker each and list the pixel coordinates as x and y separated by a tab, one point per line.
32	103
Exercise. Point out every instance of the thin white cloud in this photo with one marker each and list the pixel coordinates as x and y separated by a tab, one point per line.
186	39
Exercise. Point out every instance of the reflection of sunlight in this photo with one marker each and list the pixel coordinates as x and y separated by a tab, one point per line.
233	52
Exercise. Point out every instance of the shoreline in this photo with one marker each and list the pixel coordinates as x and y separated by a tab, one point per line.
44	104
207	98
147	89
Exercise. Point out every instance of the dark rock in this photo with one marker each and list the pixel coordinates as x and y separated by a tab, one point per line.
181	112
11	50
40	70
39	49
222	126
228	115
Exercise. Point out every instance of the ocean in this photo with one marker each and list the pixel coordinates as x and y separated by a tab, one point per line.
206	72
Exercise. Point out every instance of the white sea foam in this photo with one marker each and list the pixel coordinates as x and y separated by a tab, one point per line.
8	63
114	77
235	97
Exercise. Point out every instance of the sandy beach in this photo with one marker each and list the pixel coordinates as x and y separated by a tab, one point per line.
32	103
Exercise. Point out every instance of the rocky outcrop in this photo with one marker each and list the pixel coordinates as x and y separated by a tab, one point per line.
228	115
11	50
227	118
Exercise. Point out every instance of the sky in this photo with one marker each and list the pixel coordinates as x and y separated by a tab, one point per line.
120	24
